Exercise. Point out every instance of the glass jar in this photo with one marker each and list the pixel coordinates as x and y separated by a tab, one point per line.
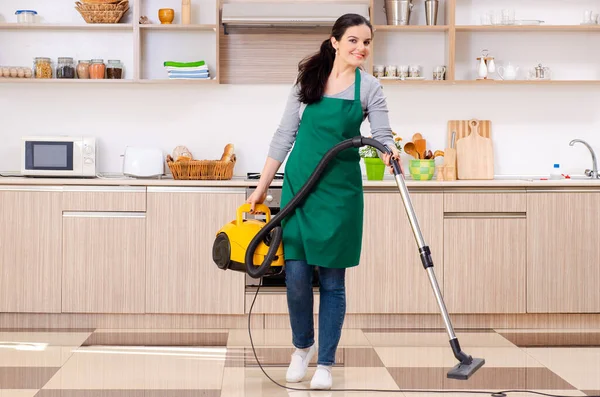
114	70
65	68
42	68
97	69
83	69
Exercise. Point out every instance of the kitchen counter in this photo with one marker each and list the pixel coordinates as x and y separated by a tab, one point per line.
388	182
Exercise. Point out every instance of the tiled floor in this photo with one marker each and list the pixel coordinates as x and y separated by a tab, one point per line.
220	362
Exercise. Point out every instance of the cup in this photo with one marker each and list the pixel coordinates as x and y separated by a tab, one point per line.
403	71
439	73
166	15
390	71
414	71
378	71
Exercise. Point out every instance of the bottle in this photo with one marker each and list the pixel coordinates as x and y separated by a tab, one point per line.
186	12
555	173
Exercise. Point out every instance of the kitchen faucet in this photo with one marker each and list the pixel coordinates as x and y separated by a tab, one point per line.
594	172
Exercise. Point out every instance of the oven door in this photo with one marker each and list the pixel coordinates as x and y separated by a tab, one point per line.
50	157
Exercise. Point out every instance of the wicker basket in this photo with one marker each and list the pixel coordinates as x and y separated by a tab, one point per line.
102	13
100	1
202	169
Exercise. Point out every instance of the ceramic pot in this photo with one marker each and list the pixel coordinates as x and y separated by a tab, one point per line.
166	15
421	170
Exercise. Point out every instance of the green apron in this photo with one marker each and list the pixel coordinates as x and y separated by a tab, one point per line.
326	228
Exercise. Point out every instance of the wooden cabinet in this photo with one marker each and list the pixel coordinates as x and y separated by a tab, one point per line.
103	262
30	249
485	251
390	277
563	261
181	276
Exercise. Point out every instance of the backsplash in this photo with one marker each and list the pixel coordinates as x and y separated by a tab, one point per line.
531	125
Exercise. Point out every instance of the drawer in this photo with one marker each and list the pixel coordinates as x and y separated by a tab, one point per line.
104	198
492	201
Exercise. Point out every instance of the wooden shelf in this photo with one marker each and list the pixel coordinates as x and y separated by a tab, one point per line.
527	28
66	26
526	82
411	28
178	81
205	27
11	80
416	82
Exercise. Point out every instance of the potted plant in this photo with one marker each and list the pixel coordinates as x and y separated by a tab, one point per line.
374	165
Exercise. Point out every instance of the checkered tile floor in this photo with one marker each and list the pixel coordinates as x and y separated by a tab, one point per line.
211	363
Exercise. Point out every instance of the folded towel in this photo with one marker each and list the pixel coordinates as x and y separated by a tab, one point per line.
188	74
184	64
189	77
171	68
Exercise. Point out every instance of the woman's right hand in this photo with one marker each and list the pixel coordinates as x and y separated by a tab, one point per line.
257	197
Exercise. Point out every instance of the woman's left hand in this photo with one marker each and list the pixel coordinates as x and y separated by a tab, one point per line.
395	155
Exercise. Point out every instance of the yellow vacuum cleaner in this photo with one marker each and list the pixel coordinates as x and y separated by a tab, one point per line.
233	239
257	245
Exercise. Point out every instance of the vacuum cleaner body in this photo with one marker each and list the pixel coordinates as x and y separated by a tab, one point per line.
233	239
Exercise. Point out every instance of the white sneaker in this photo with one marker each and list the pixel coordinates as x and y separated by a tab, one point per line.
322	378
299	364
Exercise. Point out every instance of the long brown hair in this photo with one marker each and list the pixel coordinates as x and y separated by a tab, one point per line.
314	70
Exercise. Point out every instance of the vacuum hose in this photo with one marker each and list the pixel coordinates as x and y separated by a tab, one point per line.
273	238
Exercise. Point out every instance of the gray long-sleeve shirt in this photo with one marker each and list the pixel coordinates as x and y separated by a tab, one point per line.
374	107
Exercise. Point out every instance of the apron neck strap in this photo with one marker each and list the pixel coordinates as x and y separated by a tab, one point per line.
357	85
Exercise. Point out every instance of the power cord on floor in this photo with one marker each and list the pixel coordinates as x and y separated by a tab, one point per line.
491	393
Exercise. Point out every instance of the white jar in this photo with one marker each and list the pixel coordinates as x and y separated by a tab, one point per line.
26	16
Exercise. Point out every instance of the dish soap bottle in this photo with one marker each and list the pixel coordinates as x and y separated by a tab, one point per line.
555	173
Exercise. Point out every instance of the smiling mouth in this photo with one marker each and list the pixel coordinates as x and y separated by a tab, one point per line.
359	56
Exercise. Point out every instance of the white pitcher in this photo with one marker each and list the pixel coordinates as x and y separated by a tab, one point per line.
508	73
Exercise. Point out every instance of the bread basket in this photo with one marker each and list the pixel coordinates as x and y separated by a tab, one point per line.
201	169
102	12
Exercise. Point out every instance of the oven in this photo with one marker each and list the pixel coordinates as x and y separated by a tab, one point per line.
273	201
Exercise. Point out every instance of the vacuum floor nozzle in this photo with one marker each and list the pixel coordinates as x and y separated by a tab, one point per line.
464	371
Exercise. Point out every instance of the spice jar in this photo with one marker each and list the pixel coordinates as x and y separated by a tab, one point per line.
42	68
83	69
97	69
65	68
114	70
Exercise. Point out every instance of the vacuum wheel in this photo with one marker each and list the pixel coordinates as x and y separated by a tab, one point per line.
222	251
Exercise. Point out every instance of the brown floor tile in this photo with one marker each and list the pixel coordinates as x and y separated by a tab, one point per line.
426	330
553	339
591	392
128	393
25	377
484	378
157	339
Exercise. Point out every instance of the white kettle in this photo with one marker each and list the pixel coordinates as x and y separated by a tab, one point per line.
508	73
143	162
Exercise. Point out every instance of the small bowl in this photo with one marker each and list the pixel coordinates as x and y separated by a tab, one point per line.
422	170
166	15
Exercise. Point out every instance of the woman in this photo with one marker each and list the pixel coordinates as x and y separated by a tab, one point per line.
327	105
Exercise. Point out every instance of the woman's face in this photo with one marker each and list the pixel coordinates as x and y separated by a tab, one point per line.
355	46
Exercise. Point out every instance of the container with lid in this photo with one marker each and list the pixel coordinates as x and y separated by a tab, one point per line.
26	16
114	69
97	69
83	69
65	68
42	68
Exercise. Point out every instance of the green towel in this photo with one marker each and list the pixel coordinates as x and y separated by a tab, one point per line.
185	64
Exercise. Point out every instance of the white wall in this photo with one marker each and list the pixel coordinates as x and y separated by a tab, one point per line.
531	125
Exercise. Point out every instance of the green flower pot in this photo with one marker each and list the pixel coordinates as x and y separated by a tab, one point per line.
375	168
421	170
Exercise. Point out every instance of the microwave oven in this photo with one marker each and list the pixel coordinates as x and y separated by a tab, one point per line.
63	156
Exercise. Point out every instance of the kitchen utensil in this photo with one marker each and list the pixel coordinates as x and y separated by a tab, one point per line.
474	154
428	155
143	162
450	159
438	153
540	73
461	127
398	11
417	136
508	73
410	149
431	11
439	173
421	146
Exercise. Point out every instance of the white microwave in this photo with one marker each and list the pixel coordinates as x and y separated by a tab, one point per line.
67	156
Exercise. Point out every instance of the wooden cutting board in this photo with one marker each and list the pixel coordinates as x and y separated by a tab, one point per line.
474	155
462	129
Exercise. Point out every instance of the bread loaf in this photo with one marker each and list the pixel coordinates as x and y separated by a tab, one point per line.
183	158
227	152
182	151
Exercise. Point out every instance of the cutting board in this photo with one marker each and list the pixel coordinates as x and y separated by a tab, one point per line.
462	129
474	155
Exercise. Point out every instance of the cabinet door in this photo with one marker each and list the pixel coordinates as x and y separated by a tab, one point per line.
181	276
390	277
30	249
103	262
563	261
485	262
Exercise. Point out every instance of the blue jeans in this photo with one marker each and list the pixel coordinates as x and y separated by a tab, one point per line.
332	307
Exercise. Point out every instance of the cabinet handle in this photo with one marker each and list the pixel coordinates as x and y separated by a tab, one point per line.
486	215
195	189
103	214
40	188
106	189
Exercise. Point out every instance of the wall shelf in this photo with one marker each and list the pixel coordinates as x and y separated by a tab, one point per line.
271	55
